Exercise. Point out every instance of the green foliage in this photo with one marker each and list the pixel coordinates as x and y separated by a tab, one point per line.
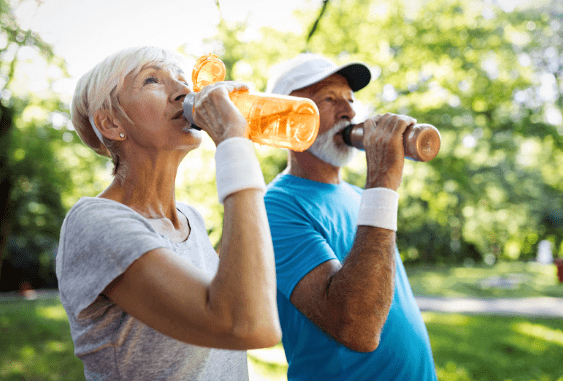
51	169
268	363
490	81
457	65
47	166
479	75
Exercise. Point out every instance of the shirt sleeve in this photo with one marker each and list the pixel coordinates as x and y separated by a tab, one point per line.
299	246
100	239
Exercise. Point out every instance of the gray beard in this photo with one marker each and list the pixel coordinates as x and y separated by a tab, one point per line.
325	148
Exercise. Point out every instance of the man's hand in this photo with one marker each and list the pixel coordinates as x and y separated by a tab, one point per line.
383	143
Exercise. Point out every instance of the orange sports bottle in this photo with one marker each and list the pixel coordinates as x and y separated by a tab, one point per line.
420	141
273	120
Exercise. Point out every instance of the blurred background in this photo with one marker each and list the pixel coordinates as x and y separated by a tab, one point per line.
487	73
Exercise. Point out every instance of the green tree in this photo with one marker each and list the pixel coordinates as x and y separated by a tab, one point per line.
475	72
12	40
459	66
545	53
44	165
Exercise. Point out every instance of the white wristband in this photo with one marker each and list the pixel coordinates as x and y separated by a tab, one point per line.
378	207
237	168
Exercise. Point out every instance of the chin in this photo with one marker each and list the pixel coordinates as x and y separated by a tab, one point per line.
190	138
334	154
192	131
335	158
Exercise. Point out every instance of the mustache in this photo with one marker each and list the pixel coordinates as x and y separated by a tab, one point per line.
338	127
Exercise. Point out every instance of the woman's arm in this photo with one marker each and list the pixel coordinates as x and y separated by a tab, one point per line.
234	310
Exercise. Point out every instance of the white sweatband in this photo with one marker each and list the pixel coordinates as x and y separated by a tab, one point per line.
237	168
378	207
96	131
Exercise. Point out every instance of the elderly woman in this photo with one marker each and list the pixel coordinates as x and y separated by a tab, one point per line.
146	295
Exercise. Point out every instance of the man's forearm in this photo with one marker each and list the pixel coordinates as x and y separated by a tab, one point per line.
361	292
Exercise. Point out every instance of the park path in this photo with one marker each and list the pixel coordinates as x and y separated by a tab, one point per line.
532	307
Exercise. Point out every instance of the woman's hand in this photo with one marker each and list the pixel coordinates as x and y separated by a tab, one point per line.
216	114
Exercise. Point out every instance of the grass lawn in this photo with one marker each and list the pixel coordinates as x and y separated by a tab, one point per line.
476	348
35	338
36	344
491	348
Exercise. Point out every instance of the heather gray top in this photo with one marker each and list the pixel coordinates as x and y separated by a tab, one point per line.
99	239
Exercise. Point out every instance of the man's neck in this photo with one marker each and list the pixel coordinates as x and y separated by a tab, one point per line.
307	166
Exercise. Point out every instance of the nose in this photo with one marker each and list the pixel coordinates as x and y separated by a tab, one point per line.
345	109
180	91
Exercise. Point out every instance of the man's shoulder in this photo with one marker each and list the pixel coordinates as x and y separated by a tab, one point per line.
307	192
281	181
282	186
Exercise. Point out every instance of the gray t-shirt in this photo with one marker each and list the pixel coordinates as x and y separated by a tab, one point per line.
100	238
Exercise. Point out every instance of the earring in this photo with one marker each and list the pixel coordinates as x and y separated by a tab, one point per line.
121	135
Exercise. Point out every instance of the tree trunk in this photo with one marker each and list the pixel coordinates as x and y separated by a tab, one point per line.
6	117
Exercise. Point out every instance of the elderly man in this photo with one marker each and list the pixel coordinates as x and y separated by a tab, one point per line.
346	307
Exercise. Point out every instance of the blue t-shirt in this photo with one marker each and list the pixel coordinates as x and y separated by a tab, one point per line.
312	223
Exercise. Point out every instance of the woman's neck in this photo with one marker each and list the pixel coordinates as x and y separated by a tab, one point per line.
146	187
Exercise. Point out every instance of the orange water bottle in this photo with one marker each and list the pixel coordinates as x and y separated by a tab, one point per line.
420	141
274	120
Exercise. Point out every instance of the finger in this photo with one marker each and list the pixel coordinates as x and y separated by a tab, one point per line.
408	119
236	86
386	122
370	123
398	125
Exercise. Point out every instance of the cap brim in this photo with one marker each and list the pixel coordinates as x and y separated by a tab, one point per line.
357	75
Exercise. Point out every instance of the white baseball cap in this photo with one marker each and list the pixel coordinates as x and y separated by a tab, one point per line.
308	68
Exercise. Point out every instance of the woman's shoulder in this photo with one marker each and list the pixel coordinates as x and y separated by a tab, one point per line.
96	202
95	211
86	205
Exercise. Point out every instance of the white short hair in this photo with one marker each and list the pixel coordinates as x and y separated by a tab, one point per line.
98	89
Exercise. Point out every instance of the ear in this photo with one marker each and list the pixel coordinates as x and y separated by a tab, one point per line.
109	125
